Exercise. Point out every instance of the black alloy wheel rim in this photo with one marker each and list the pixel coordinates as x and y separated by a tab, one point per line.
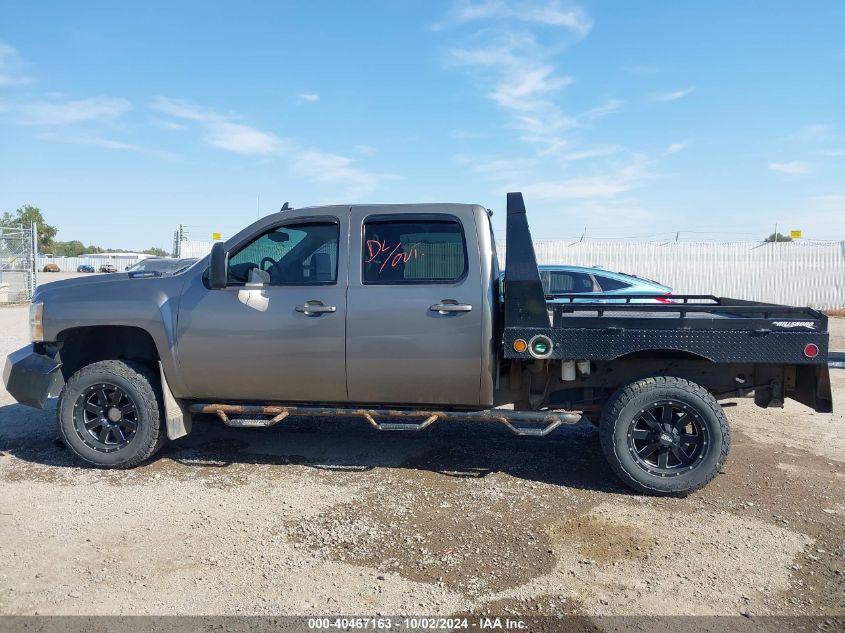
105	417
668	438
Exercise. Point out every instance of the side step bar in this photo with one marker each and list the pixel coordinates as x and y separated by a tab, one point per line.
254	416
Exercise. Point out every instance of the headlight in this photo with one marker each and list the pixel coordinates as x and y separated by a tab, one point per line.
36	324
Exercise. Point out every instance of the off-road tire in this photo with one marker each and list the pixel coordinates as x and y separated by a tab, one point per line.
623	409
138	382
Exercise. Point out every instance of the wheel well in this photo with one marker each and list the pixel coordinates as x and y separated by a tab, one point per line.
85	345
663	354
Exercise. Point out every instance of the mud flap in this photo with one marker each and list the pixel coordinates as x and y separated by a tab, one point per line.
812	387
177	417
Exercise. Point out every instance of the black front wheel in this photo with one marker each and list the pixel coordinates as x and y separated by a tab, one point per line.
664	435
109	414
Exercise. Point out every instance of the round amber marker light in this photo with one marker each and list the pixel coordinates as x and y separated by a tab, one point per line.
519	345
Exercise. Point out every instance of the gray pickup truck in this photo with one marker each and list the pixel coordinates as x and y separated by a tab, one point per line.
398	314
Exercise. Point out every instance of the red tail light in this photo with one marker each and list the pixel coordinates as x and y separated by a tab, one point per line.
666	298
811	350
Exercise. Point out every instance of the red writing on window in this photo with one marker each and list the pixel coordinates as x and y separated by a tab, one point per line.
396	254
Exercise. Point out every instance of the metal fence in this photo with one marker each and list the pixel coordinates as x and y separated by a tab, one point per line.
796	273
17	263
70	264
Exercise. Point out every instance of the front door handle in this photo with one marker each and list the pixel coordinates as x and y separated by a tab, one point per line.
314	307
450	305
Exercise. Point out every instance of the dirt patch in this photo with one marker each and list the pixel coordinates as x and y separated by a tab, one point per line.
803	493
451	532
601	540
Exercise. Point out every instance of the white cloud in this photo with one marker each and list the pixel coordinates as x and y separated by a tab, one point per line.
671	96
307	97
365	150
814	132
599	112
516	70
220	130
674	148
498	168
165	124
324	167
242	139
98	141
835	152
518	78
467	134
623	179
643	69
592	152
10	67
578	187
223	132
68	112
549	13
794	167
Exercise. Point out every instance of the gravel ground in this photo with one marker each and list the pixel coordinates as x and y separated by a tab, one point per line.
316	517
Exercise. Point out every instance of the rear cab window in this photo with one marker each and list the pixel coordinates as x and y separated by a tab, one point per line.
407	249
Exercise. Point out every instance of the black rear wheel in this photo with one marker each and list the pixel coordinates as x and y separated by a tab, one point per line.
664	435
109	414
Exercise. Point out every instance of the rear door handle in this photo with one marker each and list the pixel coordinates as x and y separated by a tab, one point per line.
314	307
450	305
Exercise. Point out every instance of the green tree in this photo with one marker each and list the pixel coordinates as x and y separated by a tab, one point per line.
778	237
155	251
74	248
26	215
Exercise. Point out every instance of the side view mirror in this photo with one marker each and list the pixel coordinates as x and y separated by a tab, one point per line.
217	266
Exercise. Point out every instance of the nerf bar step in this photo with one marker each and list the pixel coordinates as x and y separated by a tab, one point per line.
242	415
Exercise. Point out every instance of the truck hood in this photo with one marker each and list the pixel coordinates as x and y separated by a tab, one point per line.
101	285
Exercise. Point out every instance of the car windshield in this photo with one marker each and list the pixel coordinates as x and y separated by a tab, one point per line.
183	265
154	265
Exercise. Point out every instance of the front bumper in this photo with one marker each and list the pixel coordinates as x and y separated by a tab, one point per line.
31	378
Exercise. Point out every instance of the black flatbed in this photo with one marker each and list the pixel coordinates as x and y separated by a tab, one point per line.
588	327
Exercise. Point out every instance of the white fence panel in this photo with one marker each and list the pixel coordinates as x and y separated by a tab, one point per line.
795	273
70	264
194	248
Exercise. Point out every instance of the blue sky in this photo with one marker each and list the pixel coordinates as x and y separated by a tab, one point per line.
628	119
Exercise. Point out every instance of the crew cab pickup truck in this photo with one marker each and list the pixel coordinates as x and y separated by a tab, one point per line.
397	314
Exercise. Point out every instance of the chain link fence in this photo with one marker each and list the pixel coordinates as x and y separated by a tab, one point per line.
18	263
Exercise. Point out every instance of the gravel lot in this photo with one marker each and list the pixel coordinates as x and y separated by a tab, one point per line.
317	517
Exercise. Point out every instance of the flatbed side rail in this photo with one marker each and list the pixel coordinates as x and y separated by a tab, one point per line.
685	306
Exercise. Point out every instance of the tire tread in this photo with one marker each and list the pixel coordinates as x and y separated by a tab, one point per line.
148	391
624	395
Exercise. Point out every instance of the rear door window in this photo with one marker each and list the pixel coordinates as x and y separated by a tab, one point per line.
411	250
